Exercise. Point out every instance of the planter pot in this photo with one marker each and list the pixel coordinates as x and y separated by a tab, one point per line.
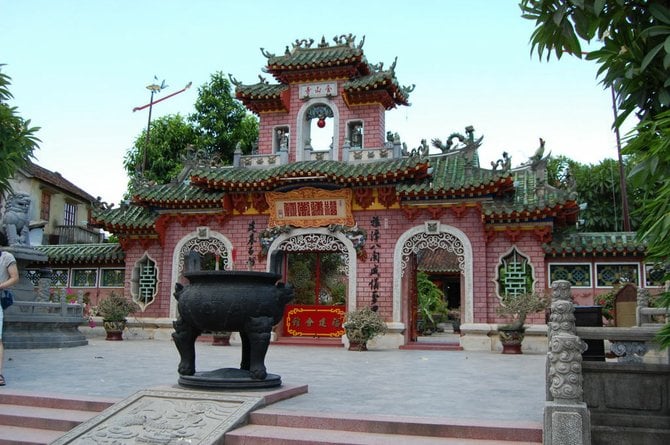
221	340
511	340
358	345
114	329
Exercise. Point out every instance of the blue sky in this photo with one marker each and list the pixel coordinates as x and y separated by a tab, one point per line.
79	67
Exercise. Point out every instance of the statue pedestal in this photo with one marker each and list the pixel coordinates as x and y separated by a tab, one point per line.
228	378
31	322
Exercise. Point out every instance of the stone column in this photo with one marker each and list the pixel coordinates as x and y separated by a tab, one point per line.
566	416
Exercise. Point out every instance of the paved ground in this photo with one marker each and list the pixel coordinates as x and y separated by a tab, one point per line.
477	385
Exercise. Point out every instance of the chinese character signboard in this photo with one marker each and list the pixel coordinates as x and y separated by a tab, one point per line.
314	321
310	207
317	90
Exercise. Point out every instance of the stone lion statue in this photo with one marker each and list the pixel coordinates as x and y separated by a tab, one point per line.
15	221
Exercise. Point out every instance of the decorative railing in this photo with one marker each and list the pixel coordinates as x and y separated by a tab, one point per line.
78	235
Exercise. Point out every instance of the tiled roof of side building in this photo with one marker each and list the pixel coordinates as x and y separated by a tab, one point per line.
104	253
55	180
596	243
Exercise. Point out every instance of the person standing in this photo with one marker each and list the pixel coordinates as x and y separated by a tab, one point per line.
9	276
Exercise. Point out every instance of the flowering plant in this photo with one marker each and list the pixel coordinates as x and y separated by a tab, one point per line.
363	325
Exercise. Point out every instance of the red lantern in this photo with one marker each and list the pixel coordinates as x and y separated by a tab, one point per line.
321	123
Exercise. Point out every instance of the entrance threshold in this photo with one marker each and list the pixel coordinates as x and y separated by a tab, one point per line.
328	342
436	342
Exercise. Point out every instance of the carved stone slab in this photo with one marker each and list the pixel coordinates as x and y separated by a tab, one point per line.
159	416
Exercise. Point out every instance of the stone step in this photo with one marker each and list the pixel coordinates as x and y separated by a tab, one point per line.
309	341
27	418
274	427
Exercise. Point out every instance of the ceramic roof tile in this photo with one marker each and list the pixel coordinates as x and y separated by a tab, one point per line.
121	218
177	194
56	180
104	253
316	57
600	244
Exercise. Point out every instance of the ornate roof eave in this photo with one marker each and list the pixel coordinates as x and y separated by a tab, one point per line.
315	172
604	244
474	191
263	101
307	74
562	213
98	253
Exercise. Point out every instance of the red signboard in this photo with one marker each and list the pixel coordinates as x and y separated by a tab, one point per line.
302	320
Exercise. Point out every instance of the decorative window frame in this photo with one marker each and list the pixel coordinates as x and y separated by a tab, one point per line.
73	276
351	124
496	279
587	265
648	266
60	277
276	141
135	285
102	275
623	263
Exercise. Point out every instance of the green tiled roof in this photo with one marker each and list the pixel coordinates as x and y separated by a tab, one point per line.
317	57
182	195
261	90
105	253
598	244
118	219
451	177
529	202
334	172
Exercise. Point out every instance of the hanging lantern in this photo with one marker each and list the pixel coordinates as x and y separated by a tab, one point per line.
321	122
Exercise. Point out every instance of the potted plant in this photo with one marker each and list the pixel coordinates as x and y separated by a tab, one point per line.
432	307
114	309
516	308
362	325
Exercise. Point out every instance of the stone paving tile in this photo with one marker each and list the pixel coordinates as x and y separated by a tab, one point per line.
452	384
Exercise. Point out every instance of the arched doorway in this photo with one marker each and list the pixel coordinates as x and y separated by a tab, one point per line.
319	311
430	236
213	247
310	132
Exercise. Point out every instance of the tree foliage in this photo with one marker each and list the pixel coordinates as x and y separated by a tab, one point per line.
216	127
221	120
17	137
634	59
598	186
169	137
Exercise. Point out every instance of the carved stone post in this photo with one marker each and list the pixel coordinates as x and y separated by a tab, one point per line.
566	416
643	299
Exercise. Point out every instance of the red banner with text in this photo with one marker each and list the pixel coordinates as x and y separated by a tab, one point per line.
314	321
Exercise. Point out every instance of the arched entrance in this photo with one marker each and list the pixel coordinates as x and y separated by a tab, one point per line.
316	243
209	244
432	235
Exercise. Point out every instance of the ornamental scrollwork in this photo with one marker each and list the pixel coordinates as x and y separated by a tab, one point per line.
355	234
565	367
203	247
433	242
562	317
629	351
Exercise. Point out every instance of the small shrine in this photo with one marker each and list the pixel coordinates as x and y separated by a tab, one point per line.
349	222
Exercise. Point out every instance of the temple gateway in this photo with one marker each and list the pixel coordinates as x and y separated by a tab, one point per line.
349	215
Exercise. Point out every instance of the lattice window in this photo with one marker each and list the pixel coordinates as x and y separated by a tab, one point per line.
70	217
654	275
59	277
515	274
84	277
579	275
608	275
34	276
112	277
144	282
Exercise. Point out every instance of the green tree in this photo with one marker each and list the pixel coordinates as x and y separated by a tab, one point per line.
221	120
17	137
169	137
598	186
633	54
